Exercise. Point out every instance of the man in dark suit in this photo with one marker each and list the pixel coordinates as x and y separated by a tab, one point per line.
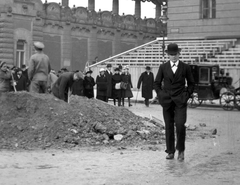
173	96
109	74
147	80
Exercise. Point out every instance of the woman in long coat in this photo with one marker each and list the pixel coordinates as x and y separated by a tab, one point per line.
88	84
21	81
127	93
5	77
102	85
147	80
78	88
117	93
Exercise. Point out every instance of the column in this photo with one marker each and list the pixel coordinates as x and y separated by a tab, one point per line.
91	5
7	37
92	46
66	47
65	3
158	11
117	43
115	7
138	8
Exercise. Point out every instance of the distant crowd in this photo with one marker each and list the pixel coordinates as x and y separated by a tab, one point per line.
39	78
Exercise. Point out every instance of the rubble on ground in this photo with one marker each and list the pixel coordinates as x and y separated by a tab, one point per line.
40	121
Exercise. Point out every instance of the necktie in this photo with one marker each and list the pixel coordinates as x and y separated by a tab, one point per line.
174	68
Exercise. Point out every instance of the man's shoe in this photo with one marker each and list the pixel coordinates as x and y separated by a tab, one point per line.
181	156
170	156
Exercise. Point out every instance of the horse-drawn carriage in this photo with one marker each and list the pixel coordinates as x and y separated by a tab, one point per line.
211	84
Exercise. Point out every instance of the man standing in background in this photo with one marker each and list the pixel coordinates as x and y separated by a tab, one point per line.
109	74
146	79
39	68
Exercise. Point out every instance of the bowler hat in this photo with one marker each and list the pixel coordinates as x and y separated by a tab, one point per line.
38	45
117	69
173	49
148	68
90	71
120	66
109	65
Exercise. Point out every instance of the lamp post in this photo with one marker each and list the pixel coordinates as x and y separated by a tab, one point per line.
164	20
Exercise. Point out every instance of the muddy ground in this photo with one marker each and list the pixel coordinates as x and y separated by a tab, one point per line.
209	160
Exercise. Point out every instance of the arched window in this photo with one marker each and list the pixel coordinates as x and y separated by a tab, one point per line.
207	9
20	55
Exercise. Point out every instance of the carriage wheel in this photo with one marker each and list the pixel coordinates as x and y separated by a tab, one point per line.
227	101
193	101
237	101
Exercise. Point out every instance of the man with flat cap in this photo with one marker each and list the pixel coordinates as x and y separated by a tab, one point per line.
178	85
38	70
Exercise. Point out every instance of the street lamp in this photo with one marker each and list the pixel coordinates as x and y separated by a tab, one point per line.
164	20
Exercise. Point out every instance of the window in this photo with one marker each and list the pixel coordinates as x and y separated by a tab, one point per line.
208	9
20	53
204	75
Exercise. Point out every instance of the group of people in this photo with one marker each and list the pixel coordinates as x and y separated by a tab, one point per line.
116	86
174	84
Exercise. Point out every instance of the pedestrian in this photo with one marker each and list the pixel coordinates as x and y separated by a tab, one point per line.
25	74
5	77
89	84
39	68
77	86
21	81
147	80
127	93
63	85
109	74
173	96
117	91
52	78
102	85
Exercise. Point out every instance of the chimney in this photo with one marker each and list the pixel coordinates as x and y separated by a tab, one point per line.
65	3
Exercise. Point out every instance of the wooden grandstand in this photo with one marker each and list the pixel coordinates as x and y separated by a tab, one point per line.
224	52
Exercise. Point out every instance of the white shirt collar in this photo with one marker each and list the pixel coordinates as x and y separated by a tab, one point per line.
176	63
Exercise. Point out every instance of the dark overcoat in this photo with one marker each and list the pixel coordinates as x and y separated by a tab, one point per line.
117	93
127	93
62	85
78	88
88	84
102	85
21	83
147	81
109	84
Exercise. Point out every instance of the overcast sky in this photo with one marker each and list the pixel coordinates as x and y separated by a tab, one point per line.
125	6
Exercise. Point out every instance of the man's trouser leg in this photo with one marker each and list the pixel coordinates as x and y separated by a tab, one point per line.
34	87
180	120
168	115
43	87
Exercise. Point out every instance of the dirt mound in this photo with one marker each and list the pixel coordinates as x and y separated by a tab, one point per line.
42	121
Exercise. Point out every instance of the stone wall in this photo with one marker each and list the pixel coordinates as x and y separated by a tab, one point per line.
72	36
184	20
6	34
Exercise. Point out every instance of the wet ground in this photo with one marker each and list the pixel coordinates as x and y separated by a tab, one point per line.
212	160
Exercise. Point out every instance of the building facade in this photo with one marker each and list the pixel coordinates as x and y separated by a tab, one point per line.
72	36
203	19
